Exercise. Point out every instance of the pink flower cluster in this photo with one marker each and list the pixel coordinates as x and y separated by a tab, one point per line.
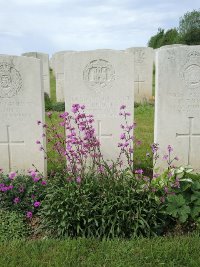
81	141
17	189
77	144
126	137
37	177
4	188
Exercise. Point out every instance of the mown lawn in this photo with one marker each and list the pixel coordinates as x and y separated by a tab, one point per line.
176	252
144	131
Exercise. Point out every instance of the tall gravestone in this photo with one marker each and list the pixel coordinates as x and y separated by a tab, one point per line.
177	111
45	68
143	72
58	67
102	80
21	106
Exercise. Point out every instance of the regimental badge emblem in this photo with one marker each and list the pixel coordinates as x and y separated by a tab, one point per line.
10	80
191	70
139	55
98	74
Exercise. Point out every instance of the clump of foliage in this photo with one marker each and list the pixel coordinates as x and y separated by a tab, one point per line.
12	226
48	103
184	204
59	107
164	38
22	193
101	206
50	106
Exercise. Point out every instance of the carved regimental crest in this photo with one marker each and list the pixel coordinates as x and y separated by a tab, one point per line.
10	80
98	74
139	55
191	70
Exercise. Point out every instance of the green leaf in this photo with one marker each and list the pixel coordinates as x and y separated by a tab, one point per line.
195	212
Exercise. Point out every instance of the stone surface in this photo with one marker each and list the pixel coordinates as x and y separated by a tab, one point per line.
177	111
171	46
143	72
45	68
102	80
21	105
58	69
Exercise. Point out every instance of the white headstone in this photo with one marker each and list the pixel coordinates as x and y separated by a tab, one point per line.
58	68
21	106
177	113
102	80
170	46
45	67
143	72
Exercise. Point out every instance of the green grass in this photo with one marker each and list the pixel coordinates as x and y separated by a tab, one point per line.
144	118
177	252
52	155
52	87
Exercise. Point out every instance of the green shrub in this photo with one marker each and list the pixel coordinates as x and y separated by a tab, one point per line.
184	205
100	207
59	107
20	193
47	100
12	226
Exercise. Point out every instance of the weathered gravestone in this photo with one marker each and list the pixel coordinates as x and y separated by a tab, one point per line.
58	68
143	72
177	114
45	68
170	46
21	105
102	80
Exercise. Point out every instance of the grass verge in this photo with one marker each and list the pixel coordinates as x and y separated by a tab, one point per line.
177	251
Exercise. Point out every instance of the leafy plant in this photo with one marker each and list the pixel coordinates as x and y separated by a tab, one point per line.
12	226
22	193
184	206
178	208
101	207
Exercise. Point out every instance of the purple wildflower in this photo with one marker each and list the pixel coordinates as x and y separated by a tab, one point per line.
29	214
36	204
12	175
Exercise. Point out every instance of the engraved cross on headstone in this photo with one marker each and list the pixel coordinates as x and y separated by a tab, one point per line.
138	83
99	132
190	135
9	142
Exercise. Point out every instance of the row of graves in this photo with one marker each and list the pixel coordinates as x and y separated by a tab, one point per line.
102	80
143	60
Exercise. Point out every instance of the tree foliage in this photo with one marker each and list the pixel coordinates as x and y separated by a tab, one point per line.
155	41
189	22
192	37
171	36
188	32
